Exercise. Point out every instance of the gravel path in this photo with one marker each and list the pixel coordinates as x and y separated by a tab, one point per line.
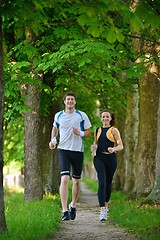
87	226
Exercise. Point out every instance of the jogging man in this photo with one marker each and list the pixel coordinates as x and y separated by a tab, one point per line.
72	126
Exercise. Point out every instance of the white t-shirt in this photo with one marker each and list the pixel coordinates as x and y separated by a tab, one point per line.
65	123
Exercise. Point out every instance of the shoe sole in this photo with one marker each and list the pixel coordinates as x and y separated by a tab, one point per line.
103	220
66	219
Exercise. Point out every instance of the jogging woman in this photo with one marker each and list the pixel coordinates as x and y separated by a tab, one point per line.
107	142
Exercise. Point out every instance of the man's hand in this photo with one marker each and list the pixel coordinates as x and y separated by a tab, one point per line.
52	143
78	132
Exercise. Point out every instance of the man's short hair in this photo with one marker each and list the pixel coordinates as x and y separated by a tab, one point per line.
69	94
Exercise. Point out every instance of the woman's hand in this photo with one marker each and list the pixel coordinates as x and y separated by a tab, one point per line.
111	150
93	147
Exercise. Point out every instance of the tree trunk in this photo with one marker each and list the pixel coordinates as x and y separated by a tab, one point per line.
2	211
54	173
155	193
45	153
33	181
131	138
33	186
147	141
119	178
49	158
131	126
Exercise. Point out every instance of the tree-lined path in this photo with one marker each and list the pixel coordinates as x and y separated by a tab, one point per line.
107	53
87	225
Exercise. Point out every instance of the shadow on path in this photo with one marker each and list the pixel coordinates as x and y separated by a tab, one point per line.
87	226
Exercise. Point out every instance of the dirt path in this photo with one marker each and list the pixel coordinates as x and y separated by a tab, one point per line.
87	226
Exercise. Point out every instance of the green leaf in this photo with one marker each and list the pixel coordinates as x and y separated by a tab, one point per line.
120	36
115	82
94	31
58	67
136	24
7	93
83	19
111	36
91	12
81	62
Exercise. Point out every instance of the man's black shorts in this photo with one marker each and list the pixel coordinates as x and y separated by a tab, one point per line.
71	159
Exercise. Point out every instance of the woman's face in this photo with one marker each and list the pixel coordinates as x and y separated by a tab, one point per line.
106	118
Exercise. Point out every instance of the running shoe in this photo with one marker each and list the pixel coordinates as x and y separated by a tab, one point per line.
65	216
106	210
72	210
103	216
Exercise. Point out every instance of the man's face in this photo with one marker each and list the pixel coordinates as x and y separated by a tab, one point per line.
70	102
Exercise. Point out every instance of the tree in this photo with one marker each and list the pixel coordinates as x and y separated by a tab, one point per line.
2	213
155	193
33	188
147	139
149	98
30	83
48	158
131	127
131	138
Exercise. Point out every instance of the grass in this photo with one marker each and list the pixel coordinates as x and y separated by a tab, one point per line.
141	220
37	220
31	220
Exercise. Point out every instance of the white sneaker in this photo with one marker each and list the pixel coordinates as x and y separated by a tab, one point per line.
103	216
106	210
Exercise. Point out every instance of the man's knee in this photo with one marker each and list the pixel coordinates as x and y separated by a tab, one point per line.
65	179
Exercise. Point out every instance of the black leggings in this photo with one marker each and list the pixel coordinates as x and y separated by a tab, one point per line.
105	165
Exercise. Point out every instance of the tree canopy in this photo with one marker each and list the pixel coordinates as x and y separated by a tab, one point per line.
83	46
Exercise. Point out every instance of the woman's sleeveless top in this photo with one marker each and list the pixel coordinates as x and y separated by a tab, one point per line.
105	139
